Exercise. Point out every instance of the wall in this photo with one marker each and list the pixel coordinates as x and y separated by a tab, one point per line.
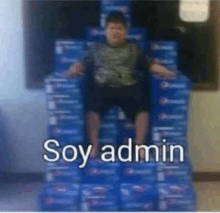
204	134
204	125
24	111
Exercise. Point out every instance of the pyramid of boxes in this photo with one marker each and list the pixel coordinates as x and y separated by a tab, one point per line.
163	186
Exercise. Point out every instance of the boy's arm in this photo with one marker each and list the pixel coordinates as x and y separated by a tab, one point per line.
143	60
78	67
161	70
75	69
152	65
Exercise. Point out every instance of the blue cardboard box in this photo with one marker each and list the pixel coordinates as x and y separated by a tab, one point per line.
66	119
67	133
139	196
55	83
171	134
59	197
127	130
170	119
173	172
60	112
111	125
176	196
108	140
108	135
107	6
111	116
94	34
138	172
97	171
171	104
61	175
56	89
139	36
175	87
58	203
66	53
166	52
108	131
64	102
99	197
173	189
63	171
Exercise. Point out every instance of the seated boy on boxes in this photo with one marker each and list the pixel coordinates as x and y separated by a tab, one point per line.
114	81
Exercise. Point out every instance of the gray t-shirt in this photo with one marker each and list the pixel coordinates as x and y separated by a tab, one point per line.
115	67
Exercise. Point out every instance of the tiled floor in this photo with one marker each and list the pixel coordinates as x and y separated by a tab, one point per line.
23	197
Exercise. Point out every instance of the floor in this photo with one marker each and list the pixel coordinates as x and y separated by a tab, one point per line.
23	197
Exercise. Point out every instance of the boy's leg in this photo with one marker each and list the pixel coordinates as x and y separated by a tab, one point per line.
93	131
141	127
134	103
100	102
141	130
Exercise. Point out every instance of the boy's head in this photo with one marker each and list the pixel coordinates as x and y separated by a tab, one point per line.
116	28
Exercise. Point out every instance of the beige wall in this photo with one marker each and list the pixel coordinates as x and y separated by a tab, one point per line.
204	126
204	131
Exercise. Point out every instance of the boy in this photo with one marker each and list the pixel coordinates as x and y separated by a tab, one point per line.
114	81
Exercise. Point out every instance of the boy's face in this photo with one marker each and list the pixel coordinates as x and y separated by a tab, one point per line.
115	33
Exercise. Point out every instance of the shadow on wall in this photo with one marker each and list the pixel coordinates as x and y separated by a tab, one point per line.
5	162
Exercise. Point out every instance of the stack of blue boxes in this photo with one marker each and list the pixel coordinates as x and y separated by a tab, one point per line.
65	102
100	186
169	120
60	196
66	124
138	186
108	6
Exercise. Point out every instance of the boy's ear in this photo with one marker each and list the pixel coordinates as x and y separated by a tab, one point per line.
105	27
105	30
126	30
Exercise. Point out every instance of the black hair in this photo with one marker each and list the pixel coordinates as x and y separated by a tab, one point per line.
116	16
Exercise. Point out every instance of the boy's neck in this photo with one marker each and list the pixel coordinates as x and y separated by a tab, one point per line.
115	46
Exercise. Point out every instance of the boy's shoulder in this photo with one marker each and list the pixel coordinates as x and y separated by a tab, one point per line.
134	46
130	44
95	45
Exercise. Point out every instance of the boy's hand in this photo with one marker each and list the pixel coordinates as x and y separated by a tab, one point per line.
162	71
75	70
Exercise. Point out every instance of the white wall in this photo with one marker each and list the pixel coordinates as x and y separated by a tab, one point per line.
24	111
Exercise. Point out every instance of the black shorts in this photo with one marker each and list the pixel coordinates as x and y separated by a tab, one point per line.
131	99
